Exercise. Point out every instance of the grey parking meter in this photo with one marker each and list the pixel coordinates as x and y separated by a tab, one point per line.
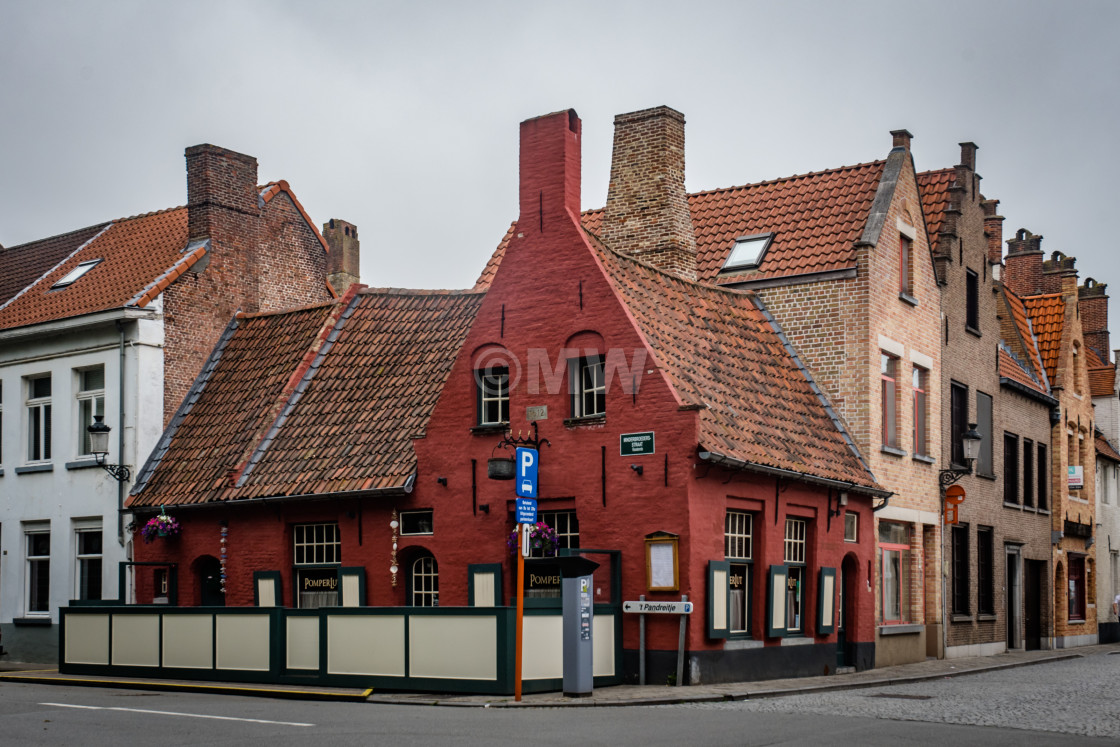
576	580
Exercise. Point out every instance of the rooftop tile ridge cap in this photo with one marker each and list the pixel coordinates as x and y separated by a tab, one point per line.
822	397
292	390
948	170
150	291
58	264
390	291
150	214
151	464
1040	297
748	294
791	177
289	310
102	225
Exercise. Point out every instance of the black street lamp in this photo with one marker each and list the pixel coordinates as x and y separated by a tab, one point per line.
99	445
970	440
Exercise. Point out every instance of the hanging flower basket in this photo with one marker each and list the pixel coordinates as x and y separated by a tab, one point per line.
160	526
541	537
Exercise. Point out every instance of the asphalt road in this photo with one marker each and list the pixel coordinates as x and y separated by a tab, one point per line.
1069	702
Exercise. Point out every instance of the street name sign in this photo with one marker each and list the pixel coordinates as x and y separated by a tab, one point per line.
661	608
635	444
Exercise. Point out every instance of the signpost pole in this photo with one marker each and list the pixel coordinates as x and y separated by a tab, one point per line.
642	645
520	616
680	647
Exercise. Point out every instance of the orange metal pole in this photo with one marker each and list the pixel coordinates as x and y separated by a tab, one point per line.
520	581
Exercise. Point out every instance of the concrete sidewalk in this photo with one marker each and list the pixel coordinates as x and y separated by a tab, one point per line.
619	695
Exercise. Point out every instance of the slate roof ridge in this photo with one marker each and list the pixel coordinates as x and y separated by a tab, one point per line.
102	225
193	394
58	264
779	180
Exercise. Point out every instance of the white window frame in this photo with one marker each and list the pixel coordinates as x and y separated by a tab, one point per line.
747	251
74	275
36	561
851	526
738	535
82	560
596	388
39	412
89	402
424	581
495	396
566	524
330	545
418	513
794	553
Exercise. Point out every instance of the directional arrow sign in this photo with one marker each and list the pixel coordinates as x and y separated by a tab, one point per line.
662	608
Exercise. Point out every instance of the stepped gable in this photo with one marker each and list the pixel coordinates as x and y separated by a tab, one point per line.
723	355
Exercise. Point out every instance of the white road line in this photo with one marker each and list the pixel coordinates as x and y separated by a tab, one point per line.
174	713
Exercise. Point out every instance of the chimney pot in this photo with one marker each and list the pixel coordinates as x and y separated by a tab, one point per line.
345	256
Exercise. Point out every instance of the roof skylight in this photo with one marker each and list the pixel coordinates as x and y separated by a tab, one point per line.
748	251
72	276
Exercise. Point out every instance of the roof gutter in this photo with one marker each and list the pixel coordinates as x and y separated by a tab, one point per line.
75	323
739	464
1026	391
399	490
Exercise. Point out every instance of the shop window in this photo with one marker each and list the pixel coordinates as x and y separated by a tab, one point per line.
91	401
888	370
39	419
1076	586
738	544
38	579
493	396
959	542
88	561
985	571
1010	468
589	387
920	385
894	548
417	522
985	462
424	582
318	554
958	421
795	580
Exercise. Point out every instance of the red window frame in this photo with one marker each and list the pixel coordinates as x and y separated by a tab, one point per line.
888	374
921	411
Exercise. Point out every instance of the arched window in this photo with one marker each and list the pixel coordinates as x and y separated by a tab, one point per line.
424	582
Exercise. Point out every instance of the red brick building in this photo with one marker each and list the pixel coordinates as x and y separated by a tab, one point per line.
351	441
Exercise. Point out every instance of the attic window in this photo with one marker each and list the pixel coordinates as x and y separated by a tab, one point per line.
748	251
72	276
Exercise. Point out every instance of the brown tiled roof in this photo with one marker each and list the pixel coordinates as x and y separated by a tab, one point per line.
1010	367
1102	381
1047	314
1026	336
815	218
314	401
134	252
22	265
1105	449
722	352
934	189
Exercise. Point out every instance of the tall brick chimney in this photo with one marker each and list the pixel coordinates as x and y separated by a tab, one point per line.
1059	275
993	231
343	263
647	206
549	190
221	190
1092	302
1023	264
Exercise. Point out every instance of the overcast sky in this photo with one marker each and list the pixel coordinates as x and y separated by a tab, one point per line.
402	117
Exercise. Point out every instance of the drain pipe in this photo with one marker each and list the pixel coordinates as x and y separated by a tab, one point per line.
120	437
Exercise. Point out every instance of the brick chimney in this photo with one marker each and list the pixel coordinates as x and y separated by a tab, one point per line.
1092	302
900	139
550	172
1059	275
1023	264
993	231
647	206
221	190
343	263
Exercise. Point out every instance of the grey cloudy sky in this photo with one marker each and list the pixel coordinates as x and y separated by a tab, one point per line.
402	117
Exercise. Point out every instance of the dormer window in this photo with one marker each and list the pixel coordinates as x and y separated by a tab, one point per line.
71	277
748	251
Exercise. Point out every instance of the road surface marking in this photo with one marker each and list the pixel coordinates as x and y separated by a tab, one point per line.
174	713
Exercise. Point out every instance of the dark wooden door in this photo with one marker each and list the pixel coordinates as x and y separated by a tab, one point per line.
1032	604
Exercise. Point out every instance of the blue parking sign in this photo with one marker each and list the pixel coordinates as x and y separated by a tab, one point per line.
526	511
526	483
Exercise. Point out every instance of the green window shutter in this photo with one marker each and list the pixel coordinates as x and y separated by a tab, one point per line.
776	602
352	587
484	584
719	598
826	601
266	589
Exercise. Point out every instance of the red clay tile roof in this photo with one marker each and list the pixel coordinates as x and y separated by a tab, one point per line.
134	252
1010	367
1105	449
816	219
22	265
314	401
1019	315
934	189
723	352
1047	314
1102	381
